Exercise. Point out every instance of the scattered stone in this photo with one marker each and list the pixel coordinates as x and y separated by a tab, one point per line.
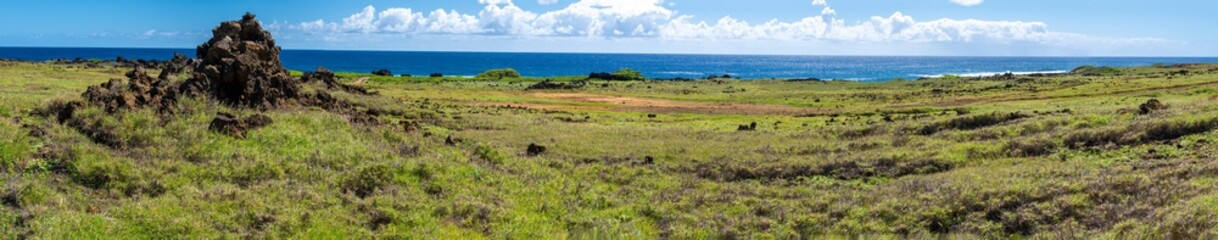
1151	106
140	90
750	127
535	150
547	84
178	65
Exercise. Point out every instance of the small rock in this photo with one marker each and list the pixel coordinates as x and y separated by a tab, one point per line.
535	150
1151	106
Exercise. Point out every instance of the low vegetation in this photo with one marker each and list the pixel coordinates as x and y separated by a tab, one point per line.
1050	156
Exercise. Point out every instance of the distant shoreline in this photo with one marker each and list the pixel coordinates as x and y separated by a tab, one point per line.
655	66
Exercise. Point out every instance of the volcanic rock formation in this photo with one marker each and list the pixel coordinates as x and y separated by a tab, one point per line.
241	66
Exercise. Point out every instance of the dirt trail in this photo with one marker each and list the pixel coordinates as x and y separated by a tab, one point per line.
650	105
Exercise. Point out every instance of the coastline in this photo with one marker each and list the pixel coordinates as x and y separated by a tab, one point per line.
851	68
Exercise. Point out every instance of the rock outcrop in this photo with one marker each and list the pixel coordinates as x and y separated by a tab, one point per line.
240	66
178	65
325	76
138	91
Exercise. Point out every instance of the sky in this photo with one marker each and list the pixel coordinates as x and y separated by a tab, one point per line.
802	27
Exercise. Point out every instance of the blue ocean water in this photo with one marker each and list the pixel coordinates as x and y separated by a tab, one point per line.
863	68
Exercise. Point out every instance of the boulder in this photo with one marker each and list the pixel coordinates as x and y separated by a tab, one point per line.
534	150
1151	106
229	124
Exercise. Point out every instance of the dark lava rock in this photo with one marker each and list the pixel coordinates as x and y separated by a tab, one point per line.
258	120
535	150
140	90
327	77
750	127
547	84
1151	106
229	124
178	65
382	72
241	66
452	140
320	75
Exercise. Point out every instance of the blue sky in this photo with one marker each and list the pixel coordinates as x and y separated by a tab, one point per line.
820	27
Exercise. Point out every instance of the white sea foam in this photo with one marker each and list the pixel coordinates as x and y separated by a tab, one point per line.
987	74
681	73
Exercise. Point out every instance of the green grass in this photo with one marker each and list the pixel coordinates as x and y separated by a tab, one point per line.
951	157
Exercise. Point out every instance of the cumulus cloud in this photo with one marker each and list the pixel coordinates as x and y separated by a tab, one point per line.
968	3
546	2
615	19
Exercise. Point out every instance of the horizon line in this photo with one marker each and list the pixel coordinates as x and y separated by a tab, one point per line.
647	53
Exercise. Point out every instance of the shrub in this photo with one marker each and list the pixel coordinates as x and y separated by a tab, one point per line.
489	154
1030	147
366	181
499	74
1139	133
971	122
437	75
1169	130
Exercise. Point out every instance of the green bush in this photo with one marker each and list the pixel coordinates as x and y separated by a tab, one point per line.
625	74
489	154
499	74
368	180
629	74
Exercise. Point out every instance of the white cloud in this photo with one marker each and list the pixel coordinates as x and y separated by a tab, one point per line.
968	3
546	2
650	19
828	11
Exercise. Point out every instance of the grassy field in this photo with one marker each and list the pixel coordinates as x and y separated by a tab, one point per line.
1067	156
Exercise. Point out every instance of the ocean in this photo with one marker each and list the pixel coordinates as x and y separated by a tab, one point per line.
858	68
